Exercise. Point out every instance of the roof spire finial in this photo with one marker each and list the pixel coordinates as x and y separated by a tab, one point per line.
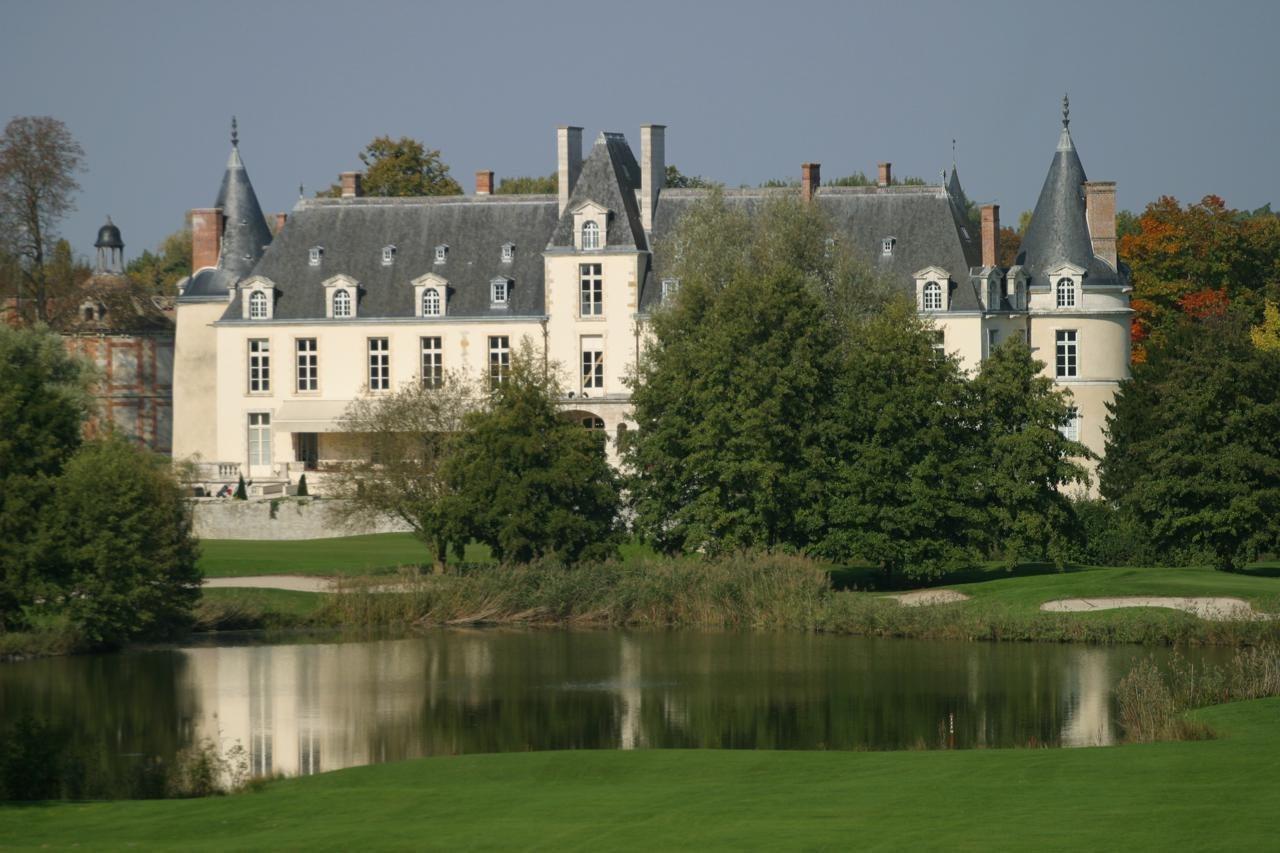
235	133
1066	110
301	191
953	154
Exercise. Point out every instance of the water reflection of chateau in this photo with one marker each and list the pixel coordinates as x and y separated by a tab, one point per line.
303	709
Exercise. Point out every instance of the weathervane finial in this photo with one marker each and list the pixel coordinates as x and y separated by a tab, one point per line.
235	133
953	155
1066	111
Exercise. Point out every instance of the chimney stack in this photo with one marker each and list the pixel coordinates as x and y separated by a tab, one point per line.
653	170
886	175
281	219
810	180
568	160
1100	211
206	237
991	235
484	182
352	184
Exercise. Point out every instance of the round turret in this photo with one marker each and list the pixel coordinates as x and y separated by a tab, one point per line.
109	237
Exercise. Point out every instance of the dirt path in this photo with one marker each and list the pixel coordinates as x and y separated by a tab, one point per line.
924	597
292	583
1218	609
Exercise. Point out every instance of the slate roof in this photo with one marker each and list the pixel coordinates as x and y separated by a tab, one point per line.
920	219
610	177
353	232
1059	231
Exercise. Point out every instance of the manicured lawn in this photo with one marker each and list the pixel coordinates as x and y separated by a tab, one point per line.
254	607
1218	794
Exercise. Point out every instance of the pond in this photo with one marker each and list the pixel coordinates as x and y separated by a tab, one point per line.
302	708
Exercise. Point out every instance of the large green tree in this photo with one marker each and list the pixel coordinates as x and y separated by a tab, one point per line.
1030	464
529	483
732	395
118	555
907	494
44	400
530	185
1193	448
159	272
402	167
39	160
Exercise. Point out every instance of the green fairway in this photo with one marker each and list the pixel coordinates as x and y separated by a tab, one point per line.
1218	794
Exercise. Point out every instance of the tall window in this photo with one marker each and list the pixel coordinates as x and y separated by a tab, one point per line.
499	358
259	438
590	290
1071	429
498	292
592	363
993	339
1066	293
342	303
430	302
670	287
257	305
940	343
308	365
590	235
259	366
993	296
1067	354
432	363
933	296
379	364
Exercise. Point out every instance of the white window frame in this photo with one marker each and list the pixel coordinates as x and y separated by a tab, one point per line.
259	439
1065	292
993	338
388	255
431	302
258	305
331	288
342	310
592	361
1066	363
432	358
421	285
499	358
379	374
306	377
670	287
442	253
259	365
315	255
1071	429
932	289
939	344
590	236
499	292
508	252
886	246
591	290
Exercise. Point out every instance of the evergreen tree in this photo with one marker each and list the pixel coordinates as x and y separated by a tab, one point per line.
1029	463
529	483
1193	449
242	494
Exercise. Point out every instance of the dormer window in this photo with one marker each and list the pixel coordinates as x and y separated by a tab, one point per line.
388	255
442	253
1020	297
886	246
1066	293
430	302
590	235
993	296
342	303
313	258
257	305
499	292
932	296
508	252
670	287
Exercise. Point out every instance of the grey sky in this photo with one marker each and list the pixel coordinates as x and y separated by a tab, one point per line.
1167	98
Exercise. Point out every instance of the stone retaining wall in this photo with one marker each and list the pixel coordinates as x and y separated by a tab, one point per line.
279	518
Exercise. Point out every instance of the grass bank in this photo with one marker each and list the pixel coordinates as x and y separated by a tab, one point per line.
1215	794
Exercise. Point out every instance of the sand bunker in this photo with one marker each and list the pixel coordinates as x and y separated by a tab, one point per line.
1218	609
922	597
293	583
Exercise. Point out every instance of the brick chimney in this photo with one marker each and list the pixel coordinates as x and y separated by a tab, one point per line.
568	160
206	237
886	175
484	182
653	170
281	219
810	179
352	184
1100	211
991	235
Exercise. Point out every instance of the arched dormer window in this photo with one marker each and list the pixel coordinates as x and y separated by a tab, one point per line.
1066	293
430	302
590	235
257	305
932	296
342	302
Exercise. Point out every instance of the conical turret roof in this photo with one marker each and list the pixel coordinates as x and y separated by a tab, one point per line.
1059	230
245	235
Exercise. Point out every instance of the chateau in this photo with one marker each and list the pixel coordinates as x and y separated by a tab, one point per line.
277	333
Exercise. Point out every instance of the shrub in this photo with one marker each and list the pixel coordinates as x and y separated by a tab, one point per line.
302	486
242	494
